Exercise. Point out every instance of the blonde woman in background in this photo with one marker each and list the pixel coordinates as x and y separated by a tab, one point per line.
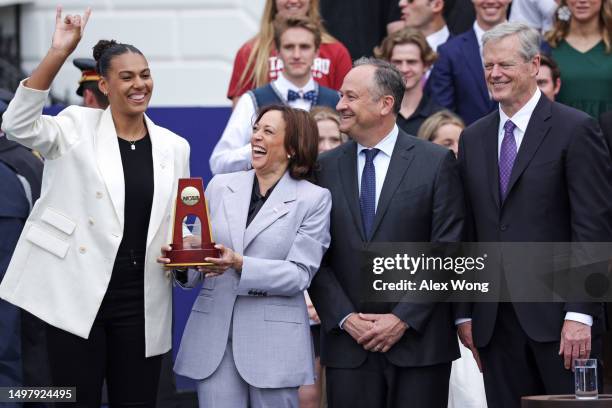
328	122
442	128
256	62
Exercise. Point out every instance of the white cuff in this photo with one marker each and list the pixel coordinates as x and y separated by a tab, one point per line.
344	320
24	86
462	320
580	318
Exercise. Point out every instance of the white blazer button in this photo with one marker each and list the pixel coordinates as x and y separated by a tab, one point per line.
82	249
98	194
91	221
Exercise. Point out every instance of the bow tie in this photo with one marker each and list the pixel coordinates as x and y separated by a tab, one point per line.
308	96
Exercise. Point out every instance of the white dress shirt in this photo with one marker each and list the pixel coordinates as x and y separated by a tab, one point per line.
381	161
233	150
535	13
479	33
438	38
521	120
381	165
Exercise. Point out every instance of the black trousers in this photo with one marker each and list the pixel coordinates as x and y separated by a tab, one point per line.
516	366
115	349
377	383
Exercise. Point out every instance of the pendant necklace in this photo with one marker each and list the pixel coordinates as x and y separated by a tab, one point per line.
133	142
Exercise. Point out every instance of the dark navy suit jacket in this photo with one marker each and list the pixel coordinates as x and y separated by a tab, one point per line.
14	209
457	79
559	191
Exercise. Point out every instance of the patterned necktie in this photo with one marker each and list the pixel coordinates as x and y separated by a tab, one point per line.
367	200
308	96
507	155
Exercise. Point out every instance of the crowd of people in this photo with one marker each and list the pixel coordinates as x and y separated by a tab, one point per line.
448	121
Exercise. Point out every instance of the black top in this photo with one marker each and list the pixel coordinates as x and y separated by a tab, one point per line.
138	176
426	108
257	200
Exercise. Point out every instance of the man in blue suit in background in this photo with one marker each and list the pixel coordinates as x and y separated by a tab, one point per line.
21	174
14	209
457	79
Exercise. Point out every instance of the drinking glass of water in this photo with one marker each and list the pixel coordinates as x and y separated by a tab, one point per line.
585	378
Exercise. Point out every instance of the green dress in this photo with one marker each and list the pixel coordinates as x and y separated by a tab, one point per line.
586	78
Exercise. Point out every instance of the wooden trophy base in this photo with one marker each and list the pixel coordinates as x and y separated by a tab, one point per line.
192	256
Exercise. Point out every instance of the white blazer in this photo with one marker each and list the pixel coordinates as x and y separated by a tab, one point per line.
63	261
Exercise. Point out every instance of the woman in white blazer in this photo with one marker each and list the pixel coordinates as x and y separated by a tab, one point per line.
86	260
247	341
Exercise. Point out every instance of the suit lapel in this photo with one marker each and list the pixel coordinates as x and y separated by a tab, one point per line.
471	51
163	172
489	144
236	202
401	158
537	129
274	208
347	168
108	158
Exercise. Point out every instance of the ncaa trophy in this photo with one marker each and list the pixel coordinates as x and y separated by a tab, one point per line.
190	200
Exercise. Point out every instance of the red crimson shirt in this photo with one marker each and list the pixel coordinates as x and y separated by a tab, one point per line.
329	68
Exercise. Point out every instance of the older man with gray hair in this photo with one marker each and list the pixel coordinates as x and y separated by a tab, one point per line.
386	186
533	171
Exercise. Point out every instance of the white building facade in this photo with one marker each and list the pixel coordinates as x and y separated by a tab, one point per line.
190	44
